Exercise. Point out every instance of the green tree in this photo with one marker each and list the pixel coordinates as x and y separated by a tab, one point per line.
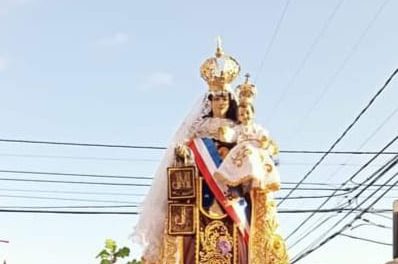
111	253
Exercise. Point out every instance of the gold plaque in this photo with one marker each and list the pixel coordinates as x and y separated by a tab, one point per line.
181	182
181	219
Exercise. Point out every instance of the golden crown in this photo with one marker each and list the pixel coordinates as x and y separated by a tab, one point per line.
219	71
246	91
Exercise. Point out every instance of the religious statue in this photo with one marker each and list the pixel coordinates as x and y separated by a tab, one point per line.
211	200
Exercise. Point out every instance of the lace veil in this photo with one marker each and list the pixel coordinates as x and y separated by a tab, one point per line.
151	223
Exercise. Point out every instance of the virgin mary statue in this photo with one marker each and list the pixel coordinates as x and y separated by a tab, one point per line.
211	200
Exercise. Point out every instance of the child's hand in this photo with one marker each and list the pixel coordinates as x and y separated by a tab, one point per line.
223	152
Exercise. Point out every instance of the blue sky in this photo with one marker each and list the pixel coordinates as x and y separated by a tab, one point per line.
127	72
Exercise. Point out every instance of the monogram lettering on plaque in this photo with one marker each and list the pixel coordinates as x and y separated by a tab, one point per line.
181	182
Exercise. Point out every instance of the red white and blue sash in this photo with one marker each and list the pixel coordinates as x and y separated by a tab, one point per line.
208	160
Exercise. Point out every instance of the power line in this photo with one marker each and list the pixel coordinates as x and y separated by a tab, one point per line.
135	195
351	179
77	157
306	57
80	144
314	196
330	210
132	184
63	199
347	189
367	140
77	182
75	174
69	207
324	241
366	239
345	132
274	35
344	63
74	192
338	152
159	148
381	215
142	194
374	185
158	160
329	164
368	222
319	207
115	212
66	212
148	185
342	185
149	178
310	183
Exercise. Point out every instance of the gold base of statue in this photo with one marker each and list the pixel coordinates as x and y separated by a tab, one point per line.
266	246
197	235
216	236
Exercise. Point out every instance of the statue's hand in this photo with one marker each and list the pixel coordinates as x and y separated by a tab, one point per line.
264	142
274	148
226	134
182	152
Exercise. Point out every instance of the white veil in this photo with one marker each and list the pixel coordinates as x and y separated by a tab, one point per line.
150	226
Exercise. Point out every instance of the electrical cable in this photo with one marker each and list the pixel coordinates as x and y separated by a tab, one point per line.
306	57
75	174
366	239
344	63
77	182
343	184
274	35
345	132
163	148
324	241
62	199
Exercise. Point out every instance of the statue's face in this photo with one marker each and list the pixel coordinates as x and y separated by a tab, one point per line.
245	115
220	105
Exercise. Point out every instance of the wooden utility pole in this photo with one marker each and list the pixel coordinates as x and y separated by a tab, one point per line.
395	234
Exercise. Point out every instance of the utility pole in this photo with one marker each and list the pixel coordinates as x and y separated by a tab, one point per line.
395	234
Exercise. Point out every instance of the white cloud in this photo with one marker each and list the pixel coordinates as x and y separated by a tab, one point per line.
158	80
117	39
3	64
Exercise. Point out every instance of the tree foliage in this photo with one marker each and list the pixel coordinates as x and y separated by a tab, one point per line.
112	254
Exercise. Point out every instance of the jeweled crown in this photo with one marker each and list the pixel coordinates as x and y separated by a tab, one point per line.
246	91
220	71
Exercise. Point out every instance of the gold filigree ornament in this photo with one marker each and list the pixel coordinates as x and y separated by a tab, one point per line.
276	248
264	142
219	71
217	244
268	167
242	153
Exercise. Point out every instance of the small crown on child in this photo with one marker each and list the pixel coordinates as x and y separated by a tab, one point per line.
246	90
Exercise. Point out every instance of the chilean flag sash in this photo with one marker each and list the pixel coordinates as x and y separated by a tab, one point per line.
208	160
